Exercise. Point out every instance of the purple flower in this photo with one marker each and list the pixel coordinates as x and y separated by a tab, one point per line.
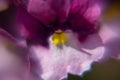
65	33
59	37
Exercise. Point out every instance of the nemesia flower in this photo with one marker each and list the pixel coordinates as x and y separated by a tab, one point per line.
63	34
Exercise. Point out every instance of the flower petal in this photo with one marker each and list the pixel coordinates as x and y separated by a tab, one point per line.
57	62
47	11
110	35
83	17
31	29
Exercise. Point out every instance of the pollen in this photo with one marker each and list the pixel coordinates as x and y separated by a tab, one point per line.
59	38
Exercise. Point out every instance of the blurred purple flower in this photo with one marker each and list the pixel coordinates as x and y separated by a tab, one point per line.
13	61
39	21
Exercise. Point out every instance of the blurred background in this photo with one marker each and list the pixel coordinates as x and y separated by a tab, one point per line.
107	70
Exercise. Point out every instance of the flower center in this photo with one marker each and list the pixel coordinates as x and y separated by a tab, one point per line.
59	38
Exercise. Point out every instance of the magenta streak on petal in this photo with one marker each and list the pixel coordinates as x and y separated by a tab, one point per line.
50	10
42	11
83	17
61	7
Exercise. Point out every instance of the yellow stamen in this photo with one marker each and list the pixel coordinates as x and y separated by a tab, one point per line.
59	38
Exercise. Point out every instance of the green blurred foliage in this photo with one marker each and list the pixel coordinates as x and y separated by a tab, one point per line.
109	70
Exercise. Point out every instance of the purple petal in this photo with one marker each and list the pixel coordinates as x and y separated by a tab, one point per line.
47	11
110	36
32	29
83	17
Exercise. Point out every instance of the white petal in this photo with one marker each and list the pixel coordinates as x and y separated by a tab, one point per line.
75	57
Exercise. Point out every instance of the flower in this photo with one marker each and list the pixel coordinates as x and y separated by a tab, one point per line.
62	34
59	37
